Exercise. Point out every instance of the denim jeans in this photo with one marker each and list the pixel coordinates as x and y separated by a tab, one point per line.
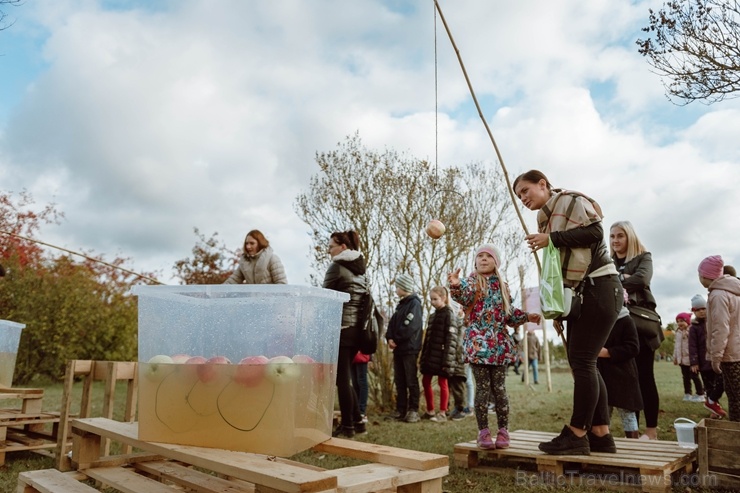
359	383
602	300
534	363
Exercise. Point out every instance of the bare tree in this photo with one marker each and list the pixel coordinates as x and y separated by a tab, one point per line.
4	15
694	45
388	198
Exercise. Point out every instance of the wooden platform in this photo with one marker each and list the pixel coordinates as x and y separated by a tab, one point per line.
164	468
638	465
26	427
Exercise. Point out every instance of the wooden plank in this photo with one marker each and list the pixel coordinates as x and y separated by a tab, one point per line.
383	454
13	393
376	477
191	479
255	468
126	480
51	481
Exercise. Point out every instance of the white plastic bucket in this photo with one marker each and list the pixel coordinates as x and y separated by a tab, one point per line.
685	432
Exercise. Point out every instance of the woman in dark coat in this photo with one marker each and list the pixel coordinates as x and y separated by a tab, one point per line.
617	366
635	266
346	273
438	353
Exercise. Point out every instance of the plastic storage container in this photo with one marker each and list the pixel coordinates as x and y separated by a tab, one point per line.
10	337
239	367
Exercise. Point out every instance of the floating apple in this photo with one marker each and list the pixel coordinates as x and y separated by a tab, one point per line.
282	369
207	372
435	229
302	358
251	370
156	367
180	358
318	370
193	364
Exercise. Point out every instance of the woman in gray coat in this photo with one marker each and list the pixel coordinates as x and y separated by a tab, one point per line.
258	264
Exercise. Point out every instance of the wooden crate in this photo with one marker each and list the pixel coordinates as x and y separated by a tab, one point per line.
719	453
164	468
638	465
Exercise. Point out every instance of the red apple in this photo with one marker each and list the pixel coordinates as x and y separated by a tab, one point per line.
207	372
180	358
251	370
318	370
435	229
282	369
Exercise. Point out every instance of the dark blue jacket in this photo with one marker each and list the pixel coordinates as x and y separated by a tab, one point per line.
405	326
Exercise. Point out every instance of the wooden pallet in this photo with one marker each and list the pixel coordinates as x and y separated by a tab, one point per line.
639	465
164	468
26	427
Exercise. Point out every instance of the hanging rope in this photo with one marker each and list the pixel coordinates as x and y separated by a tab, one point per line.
151	279
556	323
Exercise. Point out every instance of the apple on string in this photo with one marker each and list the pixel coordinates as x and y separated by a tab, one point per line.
435	229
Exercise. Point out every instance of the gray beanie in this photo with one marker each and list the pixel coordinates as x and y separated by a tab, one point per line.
405	282
698	302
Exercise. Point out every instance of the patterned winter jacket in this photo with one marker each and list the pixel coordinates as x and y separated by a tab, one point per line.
487	340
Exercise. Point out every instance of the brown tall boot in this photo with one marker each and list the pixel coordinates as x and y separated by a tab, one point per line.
632	434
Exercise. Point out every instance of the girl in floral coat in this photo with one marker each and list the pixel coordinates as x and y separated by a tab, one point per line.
487	345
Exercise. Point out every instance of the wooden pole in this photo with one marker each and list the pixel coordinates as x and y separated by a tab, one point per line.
155	281
558	326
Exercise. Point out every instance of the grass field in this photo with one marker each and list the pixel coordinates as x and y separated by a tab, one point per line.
532	408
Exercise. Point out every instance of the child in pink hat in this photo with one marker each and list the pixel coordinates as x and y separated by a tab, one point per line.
723	327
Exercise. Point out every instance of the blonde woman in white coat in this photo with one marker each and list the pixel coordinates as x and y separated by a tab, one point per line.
258	264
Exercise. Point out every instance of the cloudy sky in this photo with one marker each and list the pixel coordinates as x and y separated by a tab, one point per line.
144	119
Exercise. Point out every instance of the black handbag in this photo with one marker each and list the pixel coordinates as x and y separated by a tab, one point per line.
370	325
648	324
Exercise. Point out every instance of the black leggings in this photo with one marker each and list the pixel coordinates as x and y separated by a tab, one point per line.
602	300
645	360
346	393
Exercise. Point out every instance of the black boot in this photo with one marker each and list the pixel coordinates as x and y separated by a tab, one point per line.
567	443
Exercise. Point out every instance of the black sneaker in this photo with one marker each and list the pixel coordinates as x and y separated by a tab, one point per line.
360	428
567	443
397	415
343	432
602	444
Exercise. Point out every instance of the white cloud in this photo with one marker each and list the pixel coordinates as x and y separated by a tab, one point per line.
149	122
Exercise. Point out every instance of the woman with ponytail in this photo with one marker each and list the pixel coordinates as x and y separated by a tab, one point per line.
487	345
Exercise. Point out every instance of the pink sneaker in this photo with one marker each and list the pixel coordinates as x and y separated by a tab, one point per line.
502	438
484	439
